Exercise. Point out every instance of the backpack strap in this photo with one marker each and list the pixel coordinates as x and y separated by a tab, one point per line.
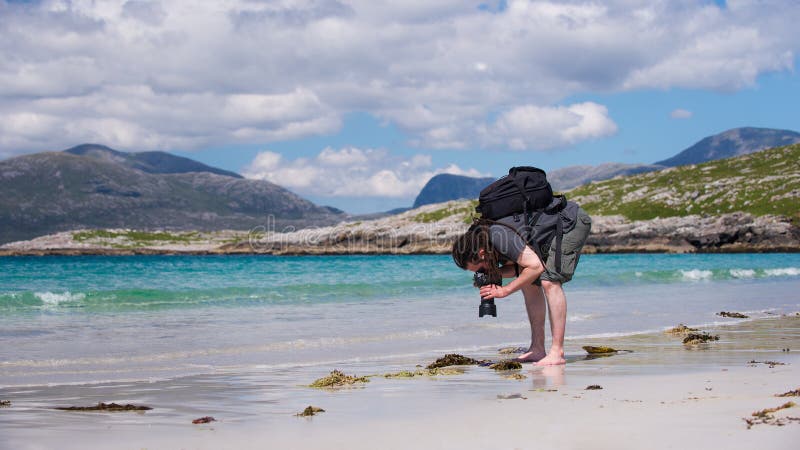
533	219
521	186
559	237
530	222
562	204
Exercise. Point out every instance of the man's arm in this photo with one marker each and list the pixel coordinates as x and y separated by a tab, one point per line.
532	268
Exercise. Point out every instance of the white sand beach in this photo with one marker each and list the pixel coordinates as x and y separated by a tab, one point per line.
661	395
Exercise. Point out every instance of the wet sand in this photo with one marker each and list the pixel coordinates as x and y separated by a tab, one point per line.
661	395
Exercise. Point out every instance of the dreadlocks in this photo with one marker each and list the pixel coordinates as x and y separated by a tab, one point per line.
467	246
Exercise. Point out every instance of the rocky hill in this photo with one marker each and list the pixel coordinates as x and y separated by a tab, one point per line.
49	192
428	229
573	176
150	162
735	142
749	203
444	187
766	182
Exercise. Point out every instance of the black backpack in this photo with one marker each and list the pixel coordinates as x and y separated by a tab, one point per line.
525	191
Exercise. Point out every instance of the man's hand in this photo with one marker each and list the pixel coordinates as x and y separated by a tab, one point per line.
493	291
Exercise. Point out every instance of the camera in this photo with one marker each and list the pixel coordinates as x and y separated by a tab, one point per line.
487	307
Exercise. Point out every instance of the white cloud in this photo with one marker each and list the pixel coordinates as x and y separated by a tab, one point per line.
681	114
342	158
350	172
181	74
137	117
536	128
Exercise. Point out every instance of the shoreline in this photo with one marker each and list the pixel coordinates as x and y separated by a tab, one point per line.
145	251
430	229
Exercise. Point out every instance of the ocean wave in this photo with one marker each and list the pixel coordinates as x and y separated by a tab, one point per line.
55	298
500	325
690	275
742	273
697	274
158	299
92	295
571	318
783	272
521	325
610	335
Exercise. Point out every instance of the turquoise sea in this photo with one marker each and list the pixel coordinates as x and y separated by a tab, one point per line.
89	320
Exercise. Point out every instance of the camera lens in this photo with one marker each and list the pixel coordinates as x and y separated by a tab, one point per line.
487	307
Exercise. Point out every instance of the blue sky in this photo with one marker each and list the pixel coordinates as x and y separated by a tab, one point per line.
357	103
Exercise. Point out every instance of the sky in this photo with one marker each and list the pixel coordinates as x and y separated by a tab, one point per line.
358	103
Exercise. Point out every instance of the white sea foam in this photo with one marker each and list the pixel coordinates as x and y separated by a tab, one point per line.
743	273
580	317
54	299
611	334
502	325
786	271
696	274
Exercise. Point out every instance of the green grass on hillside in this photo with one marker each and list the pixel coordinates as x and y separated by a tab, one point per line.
136	237
766	182
466	210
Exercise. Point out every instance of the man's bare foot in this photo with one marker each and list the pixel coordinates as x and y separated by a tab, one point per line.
552	359
530	357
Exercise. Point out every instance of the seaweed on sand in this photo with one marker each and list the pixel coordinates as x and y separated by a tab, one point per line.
511	350
733	315
765	416
594	387
111	407
508	364
5	403
445	371
338	379
515	376
425	372
453	359
206	419
681	330
699	338
794	393
599	350
510	396
310	411
404	374
771	364
768	411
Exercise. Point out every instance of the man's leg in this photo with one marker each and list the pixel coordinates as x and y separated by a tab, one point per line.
557	308
535	306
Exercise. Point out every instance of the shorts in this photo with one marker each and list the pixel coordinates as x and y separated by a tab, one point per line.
571	246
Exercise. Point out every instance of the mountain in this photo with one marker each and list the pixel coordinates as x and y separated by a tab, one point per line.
749	203
735	142
761	183
444	187
150	162
99	188
574	176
